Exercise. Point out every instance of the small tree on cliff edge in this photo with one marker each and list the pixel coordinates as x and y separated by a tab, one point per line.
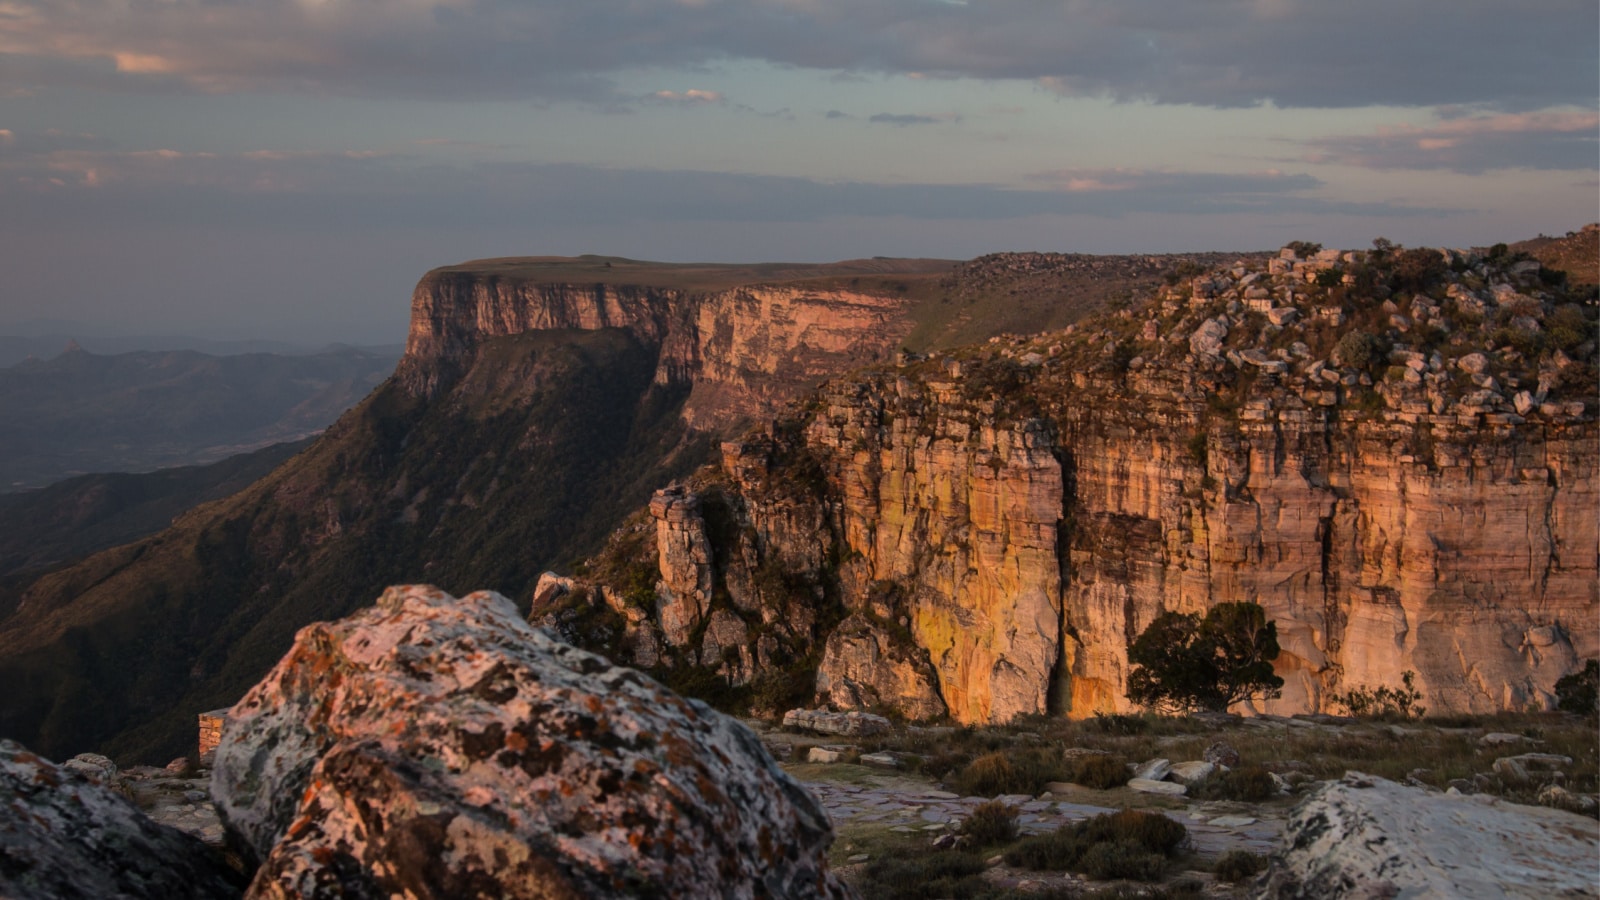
1183	662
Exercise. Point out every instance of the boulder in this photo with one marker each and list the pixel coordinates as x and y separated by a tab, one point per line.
1527	767
1473	363
1221	754
881	760
1149	786
822	721
98	769
1368	837
1192	771
1282	315
63	834
823	755
1207	339
430	746
1154	769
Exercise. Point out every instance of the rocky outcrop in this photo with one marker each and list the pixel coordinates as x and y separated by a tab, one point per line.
997	523
1366	837
64	836
443	747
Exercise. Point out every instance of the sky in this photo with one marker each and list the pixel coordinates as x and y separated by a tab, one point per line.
287	169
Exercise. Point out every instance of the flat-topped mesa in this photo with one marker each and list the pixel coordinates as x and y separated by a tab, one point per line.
746	341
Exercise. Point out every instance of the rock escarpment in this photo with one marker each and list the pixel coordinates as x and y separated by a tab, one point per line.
1394	453
442	747
65	836
1367	837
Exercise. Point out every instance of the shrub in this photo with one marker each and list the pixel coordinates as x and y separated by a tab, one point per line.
1127	844
1022	771
1122	859
1237	865
1183	662
1580	692
1120	723
1384	702
1330	278
1357	349
951	874
991	823
1247	784
1098	771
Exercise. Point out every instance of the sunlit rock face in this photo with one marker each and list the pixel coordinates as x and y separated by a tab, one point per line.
986	530
442	747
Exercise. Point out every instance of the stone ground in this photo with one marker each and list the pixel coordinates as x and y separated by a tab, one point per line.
183	802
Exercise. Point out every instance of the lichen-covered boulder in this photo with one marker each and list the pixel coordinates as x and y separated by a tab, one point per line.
1366	837
436	747
64	836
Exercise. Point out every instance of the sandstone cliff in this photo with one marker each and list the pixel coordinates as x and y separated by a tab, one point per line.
1394	453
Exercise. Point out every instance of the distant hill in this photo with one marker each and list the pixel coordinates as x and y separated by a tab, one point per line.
83	515
1577	253
82	412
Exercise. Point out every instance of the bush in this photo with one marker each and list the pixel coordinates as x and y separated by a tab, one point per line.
1127	844
1237	865
1384	702
1120	723
951	874
1008	772
1122	859
1098	771
1580	692
991	823
1183	662
1357	350
1247	784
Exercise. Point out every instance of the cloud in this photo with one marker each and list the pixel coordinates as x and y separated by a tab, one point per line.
1512	56
903	119
1472	143
691	97
344	191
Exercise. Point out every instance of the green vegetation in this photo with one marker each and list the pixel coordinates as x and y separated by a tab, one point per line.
991	823
1248	783
1183	662
1384	702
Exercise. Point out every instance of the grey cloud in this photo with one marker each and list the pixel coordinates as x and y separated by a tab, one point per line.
1524	55
339	192
905	119
1473	144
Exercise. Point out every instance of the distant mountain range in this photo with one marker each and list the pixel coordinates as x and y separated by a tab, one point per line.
83	412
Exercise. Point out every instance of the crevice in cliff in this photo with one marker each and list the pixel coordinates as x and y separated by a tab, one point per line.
1058	695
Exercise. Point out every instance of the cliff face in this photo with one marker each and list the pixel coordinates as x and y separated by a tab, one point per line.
991	528
745	350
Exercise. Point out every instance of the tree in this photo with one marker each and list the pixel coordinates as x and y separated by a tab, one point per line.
1184	662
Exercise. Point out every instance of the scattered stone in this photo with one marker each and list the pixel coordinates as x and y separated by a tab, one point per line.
859	857
1365	837
1557	797
1521	769
64	834
180	767
822	721
779	750
1283	315
1233	821
444	747
881	760
1497	738
823	755
1147	786
1207	339
944	842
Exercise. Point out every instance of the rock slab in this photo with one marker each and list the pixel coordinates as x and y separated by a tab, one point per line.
1367	837
63	835
430	746
822	721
